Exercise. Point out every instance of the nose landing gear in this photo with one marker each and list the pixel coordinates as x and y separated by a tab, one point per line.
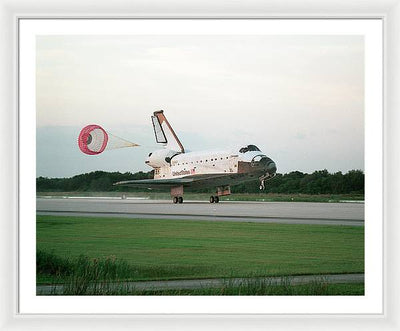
263	178
262	181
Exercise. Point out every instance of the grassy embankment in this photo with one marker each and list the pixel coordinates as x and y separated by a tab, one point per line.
205	196
317	287
170	249
84	276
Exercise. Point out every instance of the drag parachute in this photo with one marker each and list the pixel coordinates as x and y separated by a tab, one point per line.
93	140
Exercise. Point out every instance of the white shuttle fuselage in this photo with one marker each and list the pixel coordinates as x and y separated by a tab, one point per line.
199	163
175	168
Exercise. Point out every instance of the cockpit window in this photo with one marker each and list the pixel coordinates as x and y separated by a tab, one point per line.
249	148
253	148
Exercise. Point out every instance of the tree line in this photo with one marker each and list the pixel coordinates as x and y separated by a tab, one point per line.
318	182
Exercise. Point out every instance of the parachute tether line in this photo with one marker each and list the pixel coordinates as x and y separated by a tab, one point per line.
118	142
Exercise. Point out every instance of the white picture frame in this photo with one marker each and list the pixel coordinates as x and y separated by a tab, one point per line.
9	310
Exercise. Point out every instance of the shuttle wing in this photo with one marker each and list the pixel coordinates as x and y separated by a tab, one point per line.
195	181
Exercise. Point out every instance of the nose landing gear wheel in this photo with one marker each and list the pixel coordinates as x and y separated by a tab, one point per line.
211	199
175	200
180	199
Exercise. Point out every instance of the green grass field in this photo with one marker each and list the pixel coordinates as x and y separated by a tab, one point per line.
172	249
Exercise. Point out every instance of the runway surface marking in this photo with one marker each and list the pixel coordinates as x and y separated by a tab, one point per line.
260	212
192	284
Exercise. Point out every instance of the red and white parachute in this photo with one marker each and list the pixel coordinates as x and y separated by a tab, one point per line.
93	140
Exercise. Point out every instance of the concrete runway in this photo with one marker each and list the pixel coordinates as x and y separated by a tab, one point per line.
192	284
261	212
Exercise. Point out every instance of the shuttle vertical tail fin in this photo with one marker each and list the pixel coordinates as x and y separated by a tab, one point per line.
164	133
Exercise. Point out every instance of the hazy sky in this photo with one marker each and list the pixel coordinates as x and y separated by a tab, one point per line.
300	99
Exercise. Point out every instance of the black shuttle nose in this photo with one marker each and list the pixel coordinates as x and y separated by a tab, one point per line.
268	165
271	167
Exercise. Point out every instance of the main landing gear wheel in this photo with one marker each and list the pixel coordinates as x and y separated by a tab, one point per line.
177	200
214	199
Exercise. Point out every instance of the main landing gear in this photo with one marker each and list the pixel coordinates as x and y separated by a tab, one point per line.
177	200
221	191
214	199
177	194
